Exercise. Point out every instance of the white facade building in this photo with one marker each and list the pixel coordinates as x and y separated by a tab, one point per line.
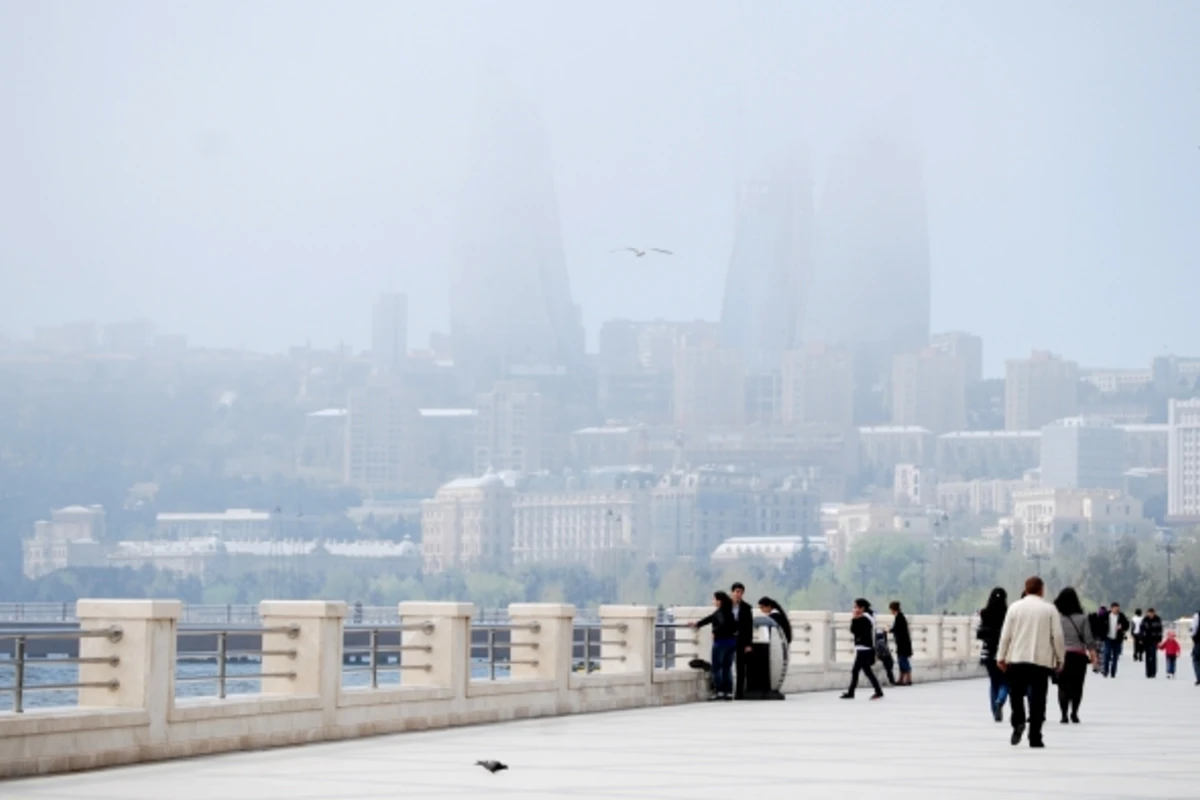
1079	453
1183	458
469	524
70	538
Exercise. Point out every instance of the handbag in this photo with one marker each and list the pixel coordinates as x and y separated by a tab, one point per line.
1091	652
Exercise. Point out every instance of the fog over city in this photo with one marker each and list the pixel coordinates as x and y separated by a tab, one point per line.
252	174
597	303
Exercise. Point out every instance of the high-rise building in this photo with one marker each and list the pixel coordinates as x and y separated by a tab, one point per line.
929	389
710	386
770	266
1038	390
1080	453
389	333
818	386
1183	458
383	438
966	346
871	287
510	297
510	430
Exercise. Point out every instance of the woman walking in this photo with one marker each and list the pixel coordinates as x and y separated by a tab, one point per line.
862	628
1080	645
724	646
903	641
991	622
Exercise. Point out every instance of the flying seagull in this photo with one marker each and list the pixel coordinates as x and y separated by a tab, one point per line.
639	252
492	766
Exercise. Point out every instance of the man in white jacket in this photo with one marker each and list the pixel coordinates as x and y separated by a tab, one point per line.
1031	648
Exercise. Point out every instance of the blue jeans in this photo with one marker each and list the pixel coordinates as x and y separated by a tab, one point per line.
903	663
723	652
997	686
1112	654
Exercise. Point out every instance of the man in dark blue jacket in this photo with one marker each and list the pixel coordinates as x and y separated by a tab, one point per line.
744	615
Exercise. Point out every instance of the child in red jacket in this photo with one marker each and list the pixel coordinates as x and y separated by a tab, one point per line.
1171	648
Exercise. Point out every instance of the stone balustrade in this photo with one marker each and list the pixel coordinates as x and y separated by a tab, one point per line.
129	711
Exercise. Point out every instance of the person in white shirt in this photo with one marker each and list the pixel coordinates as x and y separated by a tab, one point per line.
1031	647
1135	630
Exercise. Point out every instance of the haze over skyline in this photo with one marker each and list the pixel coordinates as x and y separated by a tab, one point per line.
254	174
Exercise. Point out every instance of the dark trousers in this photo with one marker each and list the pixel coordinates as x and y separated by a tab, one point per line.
1196	663
863	659
1070	683
1112	654
1034	681
1151	656
722	664
997	686
1139	647
888	668
740	672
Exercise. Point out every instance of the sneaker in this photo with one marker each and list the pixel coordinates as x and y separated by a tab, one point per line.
1075	718
877	696
1018	732
847	696
1036	742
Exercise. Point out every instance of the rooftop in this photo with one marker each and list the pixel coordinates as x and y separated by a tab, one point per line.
929	741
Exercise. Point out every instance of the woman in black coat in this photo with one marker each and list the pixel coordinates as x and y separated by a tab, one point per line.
724	645
991	622
862	628
903	641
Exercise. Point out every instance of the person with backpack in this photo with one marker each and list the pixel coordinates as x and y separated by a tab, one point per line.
884	654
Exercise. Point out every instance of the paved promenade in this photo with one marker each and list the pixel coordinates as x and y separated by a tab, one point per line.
1139	739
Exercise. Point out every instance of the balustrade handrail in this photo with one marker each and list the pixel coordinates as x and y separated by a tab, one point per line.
20	663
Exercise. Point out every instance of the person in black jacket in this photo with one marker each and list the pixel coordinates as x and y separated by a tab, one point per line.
1152	636
991	622
725	638
862	628
903	641
743	615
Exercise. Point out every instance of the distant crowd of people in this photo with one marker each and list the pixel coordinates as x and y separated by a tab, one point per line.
1032	643
1025	647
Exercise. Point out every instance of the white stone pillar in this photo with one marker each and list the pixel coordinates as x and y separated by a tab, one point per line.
305	656
927	638
542	639
812	638
444	629
627	637
843	639
144	654
700	645
957	638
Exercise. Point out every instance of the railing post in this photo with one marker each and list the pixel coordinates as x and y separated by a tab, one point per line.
841	640
548	651
927	639
19	675
630	650
145	653
314	633
447	662
812	638
957	632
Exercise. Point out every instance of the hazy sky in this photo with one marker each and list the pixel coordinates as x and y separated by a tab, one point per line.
252	173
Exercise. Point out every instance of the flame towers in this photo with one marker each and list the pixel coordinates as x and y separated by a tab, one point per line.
871	288
769	269
510	297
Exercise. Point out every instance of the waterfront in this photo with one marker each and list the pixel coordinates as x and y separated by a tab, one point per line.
38	673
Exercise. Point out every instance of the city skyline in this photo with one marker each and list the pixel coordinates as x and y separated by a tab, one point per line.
264	199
